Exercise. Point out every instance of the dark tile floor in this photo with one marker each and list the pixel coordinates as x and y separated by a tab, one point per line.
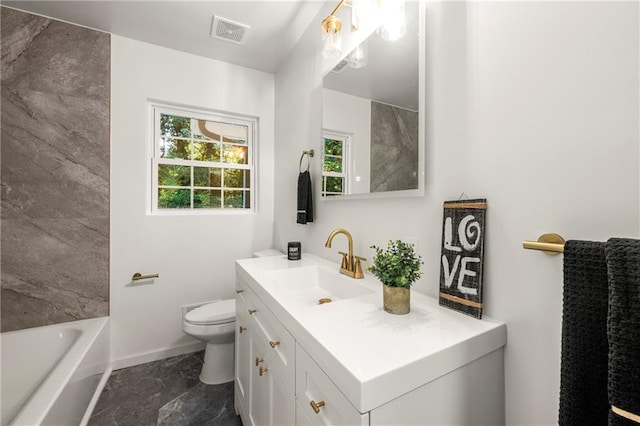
166	392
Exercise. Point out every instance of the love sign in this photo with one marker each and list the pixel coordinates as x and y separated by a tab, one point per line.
461	261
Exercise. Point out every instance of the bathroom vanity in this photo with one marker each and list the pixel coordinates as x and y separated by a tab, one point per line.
347	362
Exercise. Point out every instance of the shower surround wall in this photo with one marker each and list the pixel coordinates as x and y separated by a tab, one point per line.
394	148
54	171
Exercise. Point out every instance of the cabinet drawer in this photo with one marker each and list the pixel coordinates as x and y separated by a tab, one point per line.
313	387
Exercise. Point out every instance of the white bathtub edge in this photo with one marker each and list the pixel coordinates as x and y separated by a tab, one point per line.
157	355
41	402
96	397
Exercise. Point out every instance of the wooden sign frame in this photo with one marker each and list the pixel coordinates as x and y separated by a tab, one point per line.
462	256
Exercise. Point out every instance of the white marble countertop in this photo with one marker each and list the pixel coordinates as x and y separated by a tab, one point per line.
373	356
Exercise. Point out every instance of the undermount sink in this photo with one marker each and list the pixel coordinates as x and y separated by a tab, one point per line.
308	284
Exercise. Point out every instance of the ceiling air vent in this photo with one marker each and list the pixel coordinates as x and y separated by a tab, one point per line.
338	68
228	30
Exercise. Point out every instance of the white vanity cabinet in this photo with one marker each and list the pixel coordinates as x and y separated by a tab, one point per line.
348	362
264	364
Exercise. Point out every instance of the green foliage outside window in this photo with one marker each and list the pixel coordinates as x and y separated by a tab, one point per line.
234	199
333	146
333	164
171	125
333	180
170	198
185	186
332	184
173	175
204	198
206	151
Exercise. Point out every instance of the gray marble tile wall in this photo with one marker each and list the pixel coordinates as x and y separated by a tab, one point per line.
54	171
394	148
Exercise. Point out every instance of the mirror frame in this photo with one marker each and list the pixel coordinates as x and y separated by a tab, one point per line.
406	193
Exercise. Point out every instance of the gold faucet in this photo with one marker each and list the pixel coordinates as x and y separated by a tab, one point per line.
350	265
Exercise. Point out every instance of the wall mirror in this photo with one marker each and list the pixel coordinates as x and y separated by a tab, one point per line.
373	120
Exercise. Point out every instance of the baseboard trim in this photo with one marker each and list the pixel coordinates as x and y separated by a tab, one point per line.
143	358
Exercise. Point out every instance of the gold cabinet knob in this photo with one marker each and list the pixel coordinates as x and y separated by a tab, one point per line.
274	344
316	405
239	291
242	329
258	360
262	370
252	311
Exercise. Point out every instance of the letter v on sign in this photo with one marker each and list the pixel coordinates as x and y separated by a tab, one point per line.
449	273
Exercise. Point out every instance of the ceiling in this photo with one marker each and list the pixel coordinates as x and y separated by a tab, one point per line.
276	26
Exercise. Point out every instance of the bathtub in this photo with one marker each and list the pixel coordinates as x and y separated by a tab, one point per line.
53	375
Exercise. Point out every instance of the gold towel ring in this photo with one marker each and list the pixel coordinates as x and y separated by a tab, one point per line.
309	154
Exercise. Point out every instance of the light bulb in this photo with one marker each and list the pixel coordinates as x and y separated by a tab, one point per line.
395	20
361	11
331	44
359	57
331	38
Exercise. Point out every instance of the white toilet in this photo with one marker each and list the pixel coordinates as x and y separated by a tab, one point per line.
214	323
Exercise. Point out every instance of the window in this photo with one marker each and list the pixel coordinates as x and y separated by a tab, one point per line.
201	161
334	170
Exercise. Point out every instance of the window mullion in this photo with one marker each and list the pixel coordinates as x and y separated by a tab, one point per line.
222	185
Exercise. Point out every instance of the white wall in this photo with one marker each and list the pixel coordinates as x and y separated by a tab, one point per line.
194	255
533	105
351	115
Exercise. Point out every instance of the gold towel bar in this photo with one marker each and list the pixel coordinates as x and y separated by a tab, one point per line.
548	243
138	276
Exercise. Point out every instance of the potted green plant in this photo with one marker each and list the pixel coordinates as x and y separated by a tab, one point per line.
397	267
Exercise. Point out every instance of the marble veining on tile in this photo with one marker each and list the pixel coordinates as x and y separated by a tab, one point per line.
54	171
165	392
394	148
205	405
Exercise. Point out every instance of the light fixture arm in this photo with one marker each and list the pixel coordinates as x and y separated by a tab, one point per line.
332	23
342	3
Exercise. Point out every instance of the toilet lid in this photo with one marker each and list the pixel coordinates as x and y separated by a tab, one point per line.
213	313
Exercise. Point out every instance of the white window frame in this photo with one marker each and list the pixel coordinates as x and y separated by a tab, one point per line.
346	146
155	110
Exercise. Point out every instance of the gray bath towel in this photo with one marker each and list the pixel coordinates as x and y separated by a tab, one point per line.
305	199
623	326
583	372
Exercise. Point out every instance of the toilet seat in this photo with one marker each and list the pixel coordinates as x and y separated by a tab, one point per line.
220	312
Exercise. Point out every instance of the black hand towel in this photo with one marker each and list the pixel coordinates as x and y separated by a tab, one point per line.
305	199
623	264
583	373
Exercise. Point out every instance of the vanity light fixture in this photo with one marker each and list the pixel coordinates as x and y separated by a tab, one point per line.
359	57
393	27
331	37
